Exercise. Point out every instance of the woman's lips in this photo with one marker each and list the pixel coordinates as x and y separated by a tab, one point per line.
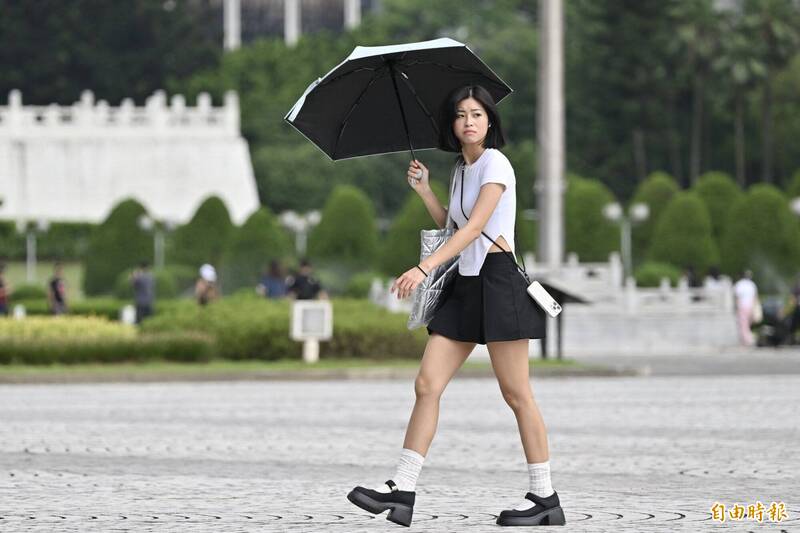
469	131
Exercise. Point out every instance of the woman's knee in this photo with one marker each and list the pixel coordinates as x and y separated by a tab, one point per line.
426	387
518	397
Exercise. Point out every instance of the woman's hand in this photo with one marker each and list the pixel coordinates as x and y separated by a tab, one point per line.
406	283
418	177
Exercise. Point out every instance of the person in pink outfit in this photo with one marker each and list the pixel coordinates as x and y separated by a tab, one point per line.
746	294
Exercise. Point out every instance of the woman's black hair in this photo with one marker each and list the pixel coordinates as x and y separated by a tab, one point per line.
448	140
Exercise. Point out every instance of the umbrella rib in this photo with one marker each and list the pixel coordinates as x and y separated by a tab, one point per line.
340	76
353	108
421	103
451	67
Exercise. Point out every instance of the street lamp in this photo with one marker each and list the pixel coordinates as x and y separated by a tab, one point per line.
147	223
24	228
300	225
638	212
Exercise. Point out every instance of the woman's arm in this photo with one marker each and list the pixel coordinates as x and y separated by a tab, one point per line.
437	212
488	199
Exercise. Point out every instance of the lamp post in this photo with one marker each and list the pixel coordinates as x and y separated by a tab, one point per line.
300	225
147	223
638	212
24	228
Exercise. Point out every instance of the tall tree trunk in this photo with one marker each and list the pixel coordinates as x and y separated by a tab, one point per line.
674	140
639	153
739	121
766	129
697	127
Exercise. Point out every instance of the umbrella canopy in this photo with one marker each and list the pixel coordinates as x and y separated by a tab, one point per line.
384	99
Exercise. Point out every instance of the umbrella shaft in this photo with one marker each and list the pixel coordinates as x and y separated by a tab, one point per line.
402	111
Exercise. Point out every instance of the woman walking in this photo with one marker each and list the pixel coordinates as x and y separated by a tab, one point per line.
487	304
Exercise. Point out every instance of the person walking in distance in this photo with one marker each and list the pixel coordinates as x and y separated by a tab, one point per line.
57	291
746	294
486	304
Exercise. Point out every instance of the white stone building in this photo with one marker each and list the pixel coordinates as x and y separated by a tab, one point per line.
75	163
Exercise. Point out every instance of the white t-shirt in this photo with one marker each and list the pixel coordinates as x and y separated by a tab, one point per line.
745	291
491	167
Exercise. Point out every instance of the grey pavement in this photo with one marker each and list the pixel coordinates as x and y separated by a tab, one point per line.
628	453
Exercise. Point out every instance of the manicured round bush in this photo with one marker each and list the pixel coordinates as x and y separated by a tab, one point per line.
347	232
650	273
588	233
401	246
683	235
655	191
117	244
259	240
29	291
719	192
762	234
204	238
359	284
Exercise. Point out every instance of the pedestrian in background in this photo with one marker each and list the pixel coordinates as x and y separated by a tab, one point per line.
4	291
205	289
304	286
144	291
746	294
273	281
57	291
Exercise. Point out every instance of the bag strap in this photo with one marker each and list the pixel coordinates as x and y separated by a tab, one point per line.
523	269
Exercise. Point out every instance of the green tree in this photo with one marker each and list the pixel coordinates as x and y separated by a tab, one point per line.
116	245
793	187
656	192
683	235
204	238
347	232
259	240
588	233
762	234
719	192
117	49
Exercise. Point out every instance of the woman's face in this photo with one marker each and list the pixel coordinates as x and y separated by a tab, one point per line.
472	123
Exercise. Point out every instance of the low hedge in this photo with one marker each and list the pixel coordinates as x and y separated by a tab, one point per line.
651	273
246	326
70	340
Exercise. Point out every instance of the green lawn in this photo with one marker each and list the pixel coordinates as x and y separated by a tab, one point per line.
223	367
16	274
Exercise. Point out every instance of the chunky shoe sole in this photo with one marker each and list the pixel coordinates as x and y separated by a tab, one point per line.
549	517
398	512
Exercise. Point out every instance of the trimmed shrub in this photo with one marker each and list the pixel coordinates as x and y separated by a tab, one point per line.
259	240
683	235
650	273
65	241
102	307
117	244
347	232
588	233
359	284
719	192
401	247
793	187
246	326
204	238
29	291
656	191
763	235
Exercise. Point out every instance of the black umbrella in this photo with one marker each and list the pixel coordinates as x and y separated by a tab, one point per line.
385	99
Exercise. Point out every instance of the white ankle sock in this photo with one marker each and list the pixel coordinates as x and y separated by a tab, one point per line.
539	478
408	468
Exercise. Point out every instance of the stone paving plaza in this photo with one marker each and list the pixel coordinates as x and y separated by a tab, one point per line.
631	454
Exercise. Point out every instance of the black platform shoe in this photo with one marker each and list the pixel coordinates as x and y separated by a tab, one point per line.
545	512
399	502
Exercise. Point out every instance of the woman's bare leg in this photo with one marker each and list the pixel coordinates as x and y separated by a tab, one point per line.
442	358
510	363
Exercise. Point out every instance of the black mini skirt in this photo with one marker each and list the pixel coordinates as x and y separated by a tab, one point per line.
492	306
